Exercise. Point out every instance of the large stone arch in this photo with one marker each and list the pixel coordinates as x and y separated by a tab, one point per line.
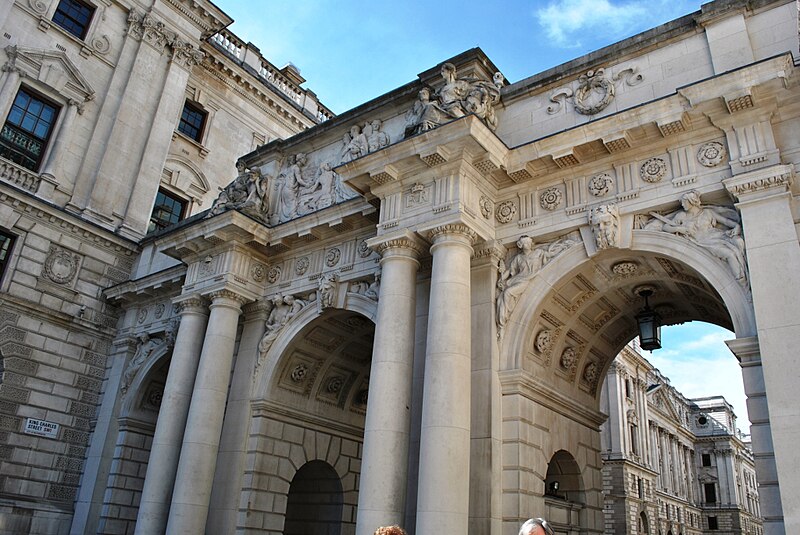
551	393
309	404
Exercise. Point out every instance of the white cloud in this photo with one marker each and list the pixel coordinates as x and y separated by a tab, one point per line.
699	364
566	21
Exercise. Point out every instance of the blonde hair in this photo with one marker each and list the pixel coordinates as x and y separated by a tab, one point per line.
390	530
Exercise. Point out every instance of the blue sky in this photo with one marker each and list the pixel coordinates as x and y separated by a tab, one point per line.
353	51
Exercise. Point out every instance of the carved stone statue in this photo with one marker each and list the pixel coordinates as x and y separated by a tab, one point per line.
605	225
290	181
145	347
355	144
326	291
376	138
322	192
456	98
514	280
714	228
283	309
247	192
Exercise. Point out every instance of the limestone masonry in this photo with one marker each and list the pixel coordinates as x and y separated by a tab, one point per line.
225	310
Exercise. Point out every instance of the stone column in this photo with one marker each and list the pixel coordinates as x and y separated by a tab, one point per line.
233	444
773	254
192	492
384	465
443	495
163	463
769	493
51	170
9	88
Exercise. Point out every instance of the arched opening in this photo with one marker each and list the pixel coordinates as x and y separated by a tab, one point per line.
644	526
315	501
564	495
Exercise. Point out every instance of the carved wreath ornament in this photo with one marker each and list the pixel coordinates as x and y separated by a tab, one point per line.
594	93
60	266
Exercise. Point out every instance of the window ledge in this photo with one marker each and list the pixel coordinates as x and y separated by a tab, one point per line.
202	151
19	176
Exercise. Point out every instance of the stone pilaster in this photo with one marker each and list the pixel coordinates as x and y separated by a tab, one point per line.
384	466
195	477
765	202
51	170
443	495
164	454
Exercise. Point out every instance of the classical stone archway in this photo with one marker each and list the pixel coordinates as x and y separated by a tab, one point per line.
307	422
568	325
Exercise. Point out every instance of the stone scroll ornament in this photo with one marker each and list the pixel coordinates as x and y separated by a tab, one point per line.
457	98
716	229
604	220
514	279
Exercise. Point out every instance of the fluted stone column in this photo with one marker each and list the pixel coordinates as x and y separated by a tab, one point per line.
384	465
192	492
164	454
443	495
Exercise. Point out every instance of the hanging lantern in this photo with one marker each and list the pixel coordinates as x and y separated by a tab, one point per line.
649	323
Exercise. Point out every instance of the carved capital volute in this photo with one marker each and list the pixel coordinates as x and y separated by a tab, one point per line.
403	244
227	298
452	232
257	310
760	183
191	304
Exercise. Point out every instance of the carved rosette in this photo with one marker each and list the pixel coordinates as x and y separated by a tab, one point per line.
600	184
653	170
544	341
299	373
568	358
711	154
301	265
274	274
158	311
625	269
550	198
333	256
590	373
485	206
505	211
258	272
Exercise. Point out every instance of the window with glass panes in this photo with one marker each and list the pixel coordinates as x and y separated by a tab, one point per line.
74	16
192	120
167	211
6	244
27	128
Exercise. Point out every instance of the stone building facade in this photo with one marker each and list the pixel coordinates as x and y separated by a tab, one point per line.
671	464
403	314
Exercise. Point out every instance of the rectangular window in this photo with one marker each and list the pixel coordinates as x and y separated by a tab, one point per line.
712	523
6	246
634	445
74	16
706	459
27	129
192	121
711	492
167	211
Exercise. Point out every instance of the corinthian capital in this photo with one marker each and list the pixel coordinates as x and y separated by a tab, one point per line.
452	231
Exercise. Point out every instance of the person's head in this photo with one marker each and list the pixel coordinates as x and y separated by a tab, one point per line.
525	243
355	130
536	526
390	530
424	94
289	300
449	72
277	300
690	198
